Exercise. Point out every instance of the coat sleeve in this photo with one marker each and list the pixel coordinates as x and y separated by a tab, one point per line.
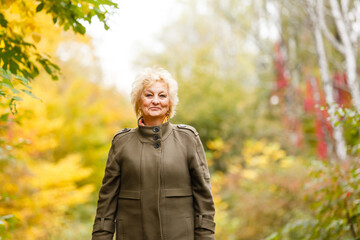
104	225
203	200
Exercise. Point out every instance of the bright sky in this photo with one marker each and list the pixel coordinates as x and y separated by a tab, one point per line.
134	24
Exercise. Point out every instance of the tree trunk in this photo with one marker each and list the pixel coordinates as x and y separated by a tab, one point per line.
340	144
349	52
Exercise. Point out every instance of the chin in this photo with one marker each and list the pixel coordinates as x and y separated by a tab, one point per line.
156	115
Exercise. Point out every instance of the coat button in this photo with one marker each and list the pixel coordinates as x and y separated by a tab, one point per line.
156	145
156	137
156	129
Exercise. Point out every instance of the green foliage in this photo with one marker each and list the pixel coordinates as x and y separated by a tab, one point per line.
70	13
349	119
12	93
22	58
19	56
334	194
7	223
334	200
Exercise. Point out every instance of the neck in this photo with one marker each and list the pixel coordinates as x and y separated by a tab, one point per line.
153	121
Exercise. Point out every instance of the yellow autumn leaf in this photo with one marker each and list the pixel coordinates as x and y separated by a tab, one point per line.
67	170
36	37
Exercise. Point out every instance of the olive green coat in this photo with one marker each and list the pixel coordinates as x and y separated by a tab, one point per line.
156	187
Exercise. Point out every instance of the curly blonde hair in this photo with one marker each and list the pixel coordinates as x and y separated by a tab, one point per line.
148	77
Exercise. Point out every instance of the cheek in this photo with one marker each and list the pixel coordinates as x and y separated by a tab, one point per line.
144	102
166	103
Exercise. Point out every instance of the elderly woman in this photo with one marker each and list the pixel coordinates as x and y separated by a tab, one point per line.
157	183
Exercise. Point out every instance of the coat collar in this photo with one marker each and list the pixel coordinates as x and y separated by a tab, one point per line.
154	133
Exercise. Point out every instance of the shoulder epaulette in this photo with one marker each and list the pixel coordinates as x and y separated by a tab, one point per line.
125	130
188	127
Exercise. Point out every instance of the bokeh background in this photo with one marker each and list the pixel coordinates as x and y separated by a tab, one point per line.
272	87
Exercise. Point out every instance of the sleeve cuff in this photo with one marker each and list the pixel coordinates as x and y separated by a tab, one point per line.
102	236
204	223
104	225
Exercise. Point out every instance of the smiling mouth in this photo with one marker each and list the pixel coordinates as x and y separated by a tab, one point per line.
153	108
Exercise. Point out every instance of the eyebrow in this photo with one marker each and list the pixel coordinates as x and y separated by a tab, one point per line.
149	90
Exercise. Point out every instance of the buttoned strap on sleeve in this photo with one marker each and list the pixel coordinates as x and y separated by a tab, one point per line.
201	222
103	229
107	225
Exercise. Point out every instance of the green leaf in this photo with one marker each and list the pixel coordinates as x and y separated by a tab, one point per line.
16	98
5	73
80	28
7	82
14	67
4	117
12	104
40	7
14	90
54	77
3	21
66	26
47	68
26	85
30	93
23	80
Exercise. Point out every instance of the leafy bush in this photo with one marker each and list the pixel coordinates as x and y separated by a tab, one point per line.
334	193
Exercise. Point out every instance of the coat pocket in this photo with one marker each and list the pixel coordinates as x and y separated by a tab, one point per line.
129	194
129	215
179	212
179	202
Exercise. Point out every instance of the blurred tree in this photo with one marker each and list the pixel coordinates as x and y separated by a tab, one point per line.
219	88
345	17
47	136
33	190
327	83
59	150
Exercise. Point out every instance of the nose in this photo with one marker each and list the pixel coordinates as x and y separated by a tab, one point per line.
155	100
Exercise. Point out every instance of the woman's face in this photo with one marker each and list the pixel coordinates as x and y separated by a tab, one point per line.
154	101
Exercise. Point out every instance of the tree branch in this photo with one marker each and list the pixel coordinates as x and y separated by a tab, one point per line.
345	10
330	37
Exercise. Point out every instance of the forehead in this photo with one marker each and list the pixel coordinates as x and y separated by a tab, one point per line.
157	86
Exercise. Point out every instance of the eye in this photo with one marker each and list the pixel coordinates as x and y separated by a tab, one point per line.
148	95
163	95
